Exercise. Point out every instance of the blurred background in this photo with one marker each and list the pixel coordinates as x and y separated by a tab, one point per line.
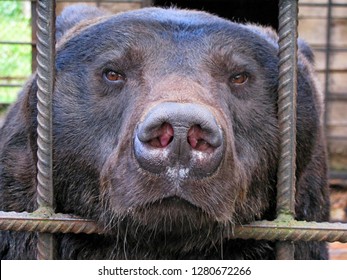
322	23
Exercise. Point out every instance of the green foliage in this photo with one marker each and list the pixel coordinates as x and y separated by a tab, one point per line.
11	9
15	59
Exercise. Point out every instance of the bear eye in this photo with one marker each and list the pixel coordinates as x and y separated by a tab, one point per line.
239	79
113	76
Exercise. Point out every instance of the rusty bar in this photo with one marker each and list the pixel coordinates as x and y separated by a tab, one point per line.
287	92
292	231
45	82
260	230
40	222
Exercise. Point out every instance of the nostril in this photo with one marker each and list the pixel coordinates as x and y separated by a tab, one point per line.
162	137
197	140
179	137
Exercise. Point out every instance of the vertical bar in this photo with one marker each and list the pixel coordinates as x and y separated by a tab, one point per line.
327	63
33	36
287	94
45	82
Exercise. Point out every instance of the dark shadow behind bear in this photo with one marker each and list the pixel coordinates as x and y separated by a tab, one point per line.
166	134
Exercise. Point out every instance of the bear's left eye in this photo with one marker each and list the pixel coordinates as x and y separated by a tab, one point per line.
239	79
113	76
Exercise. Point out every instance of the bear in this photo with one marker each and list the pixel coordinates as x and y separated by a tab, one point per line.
166	134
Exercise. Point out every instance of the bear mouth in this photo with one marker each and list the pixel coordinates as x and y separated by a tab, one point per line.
173	204
172	213
172	219
176	201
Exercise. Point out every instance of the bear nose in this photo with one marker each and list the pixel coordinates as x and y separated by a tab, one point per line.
181	139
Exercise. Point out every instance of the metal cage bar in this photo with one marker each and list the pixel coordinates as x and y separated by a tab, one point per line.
287	93
45	83
260	230
327	60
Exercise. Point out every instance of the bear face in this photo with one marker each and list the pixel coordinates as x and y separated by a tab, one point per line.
166	133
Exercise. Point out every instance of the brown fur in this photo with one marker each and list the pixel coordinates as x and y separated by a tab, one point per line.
164	56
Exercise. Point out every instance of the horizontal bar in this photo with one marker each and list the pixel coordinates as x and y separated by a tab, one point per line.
339	5
319	48
336	138
95	1
292	231
11	85
17	43
266	230
43	223
337	123
334	174
337	97
321	17
337	71
6	78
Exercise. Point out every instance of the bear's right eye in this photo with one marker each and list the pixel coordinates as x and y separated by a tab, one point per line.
113	76
239	79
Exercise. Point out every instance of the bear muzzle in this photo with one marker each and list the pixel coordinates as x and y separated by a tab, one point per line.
181	140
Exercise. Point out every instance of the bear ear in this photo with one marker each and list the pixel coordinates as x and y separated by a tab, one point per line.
18	150
73	15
